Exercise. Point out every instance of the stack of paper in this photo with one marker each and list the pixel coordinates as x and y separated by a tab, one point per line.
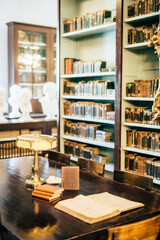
48	192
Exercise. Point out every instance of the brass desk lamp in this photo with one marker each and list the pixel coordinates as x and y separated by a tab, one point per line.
36	142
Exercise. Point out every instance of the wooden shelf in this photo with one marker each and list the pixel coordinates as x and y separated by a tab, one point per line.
150	16
142	151
137	46
156	181
90	141
88	97
141	125
108	167
105	121
148	99
84	75
30	71
91	31
8	139
31	44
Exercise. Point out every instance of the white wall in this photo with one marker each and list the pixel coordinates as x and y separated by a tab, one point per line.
40	12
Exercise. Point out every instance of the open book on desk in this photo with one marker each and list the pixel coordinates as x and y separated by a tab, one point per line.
97	207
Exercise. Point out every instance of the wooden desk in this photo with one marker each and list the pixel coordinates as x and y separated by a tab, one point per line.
28	218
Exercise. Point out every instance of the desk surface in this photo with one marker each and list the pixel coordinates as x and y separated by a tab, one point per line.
30	218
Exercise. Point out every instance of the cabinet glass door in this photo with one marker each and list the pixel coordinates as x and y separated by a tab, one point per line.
32	72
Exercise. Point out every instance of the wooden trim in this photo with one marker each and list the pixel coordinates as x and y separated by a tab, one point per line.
119	41
29	25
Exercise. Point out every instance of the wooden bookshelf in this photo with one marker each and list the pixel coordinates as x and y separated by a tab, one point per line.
142	18
88	44
90	141
85	75
141	125
77	118
108	27
97	98
139	62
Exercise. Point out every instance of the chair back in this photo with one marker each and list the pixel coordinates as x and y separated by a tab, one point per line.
91	166
59	157
143	230
134	179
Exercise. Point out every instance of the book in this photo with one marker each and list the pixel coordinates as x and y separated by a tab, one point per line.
97	207
49	189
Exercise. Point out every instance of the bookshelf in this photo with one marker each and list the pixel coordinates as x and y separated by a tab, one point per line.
139	62
88	119
13	128
98	42
34	51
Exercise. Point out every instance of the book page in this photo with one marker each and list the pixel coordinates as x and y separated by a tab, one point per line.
96	207
115	202
86	209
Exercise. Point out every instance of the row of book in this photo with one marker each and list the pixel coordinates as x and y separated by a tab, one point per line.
143	139
76	149
90	88
90	131
77	66
87	21
9	150
142	165
142	7
142	88
89	110
141	34
139	115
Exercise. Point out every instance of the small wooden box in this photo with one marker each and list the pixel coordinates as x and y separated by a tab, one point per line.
70	177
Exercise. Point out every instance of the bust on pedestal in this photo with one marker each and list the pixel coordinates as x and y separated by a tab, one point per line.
25	104
14	101
3	105
49	101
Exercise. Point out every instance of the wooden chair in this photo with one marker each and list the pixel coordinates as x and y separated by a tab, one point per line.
143	230
91	166
134	179
59	157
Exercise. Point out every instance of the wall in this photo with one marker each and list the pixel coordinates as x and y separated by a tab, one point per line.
40	12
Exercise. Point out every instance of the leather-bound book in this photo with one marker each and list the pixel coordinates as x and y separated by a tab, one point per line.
49	189
70	178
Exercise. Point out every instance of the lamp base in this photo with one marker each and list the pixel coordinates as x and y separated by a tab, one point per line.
34	181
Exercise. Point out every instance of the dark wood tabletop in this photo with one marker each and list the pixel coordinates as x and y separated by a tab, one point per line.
30	218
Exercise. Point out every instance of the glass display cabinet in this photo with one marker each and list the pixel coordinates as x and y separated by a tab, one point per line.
31	56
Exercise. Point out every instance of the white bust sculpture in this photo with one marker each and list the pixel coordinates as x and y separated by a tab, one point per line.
25	103
3	104
49	101
14	101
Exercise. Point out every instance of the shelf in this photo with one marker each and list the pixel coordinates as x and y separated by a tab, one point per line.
31	44
83	75
108	167
91	31
30	71
136	46
141	125
89	119
142	151
88	97
154	15
156	181
90	141
8	139
139	99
